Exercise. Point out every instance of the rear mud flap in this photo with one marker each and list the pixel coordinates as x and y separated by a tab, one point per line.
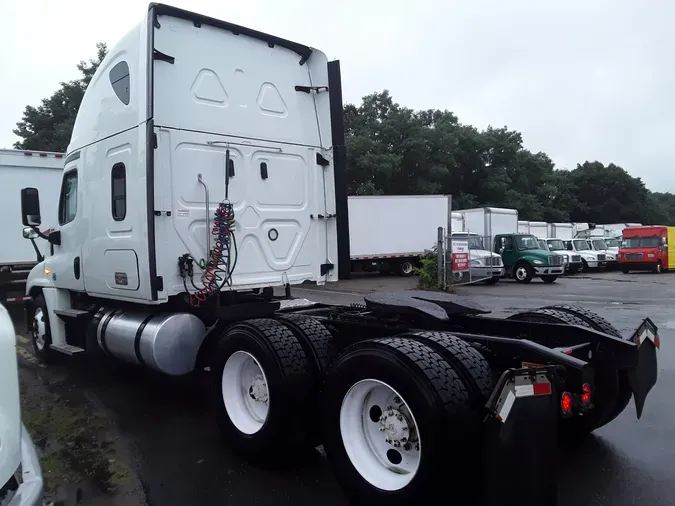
643	377
520	452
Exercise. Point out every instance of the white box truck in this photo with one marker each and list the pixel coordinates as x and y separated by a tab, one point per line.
18	169
521	254
198	138
391	233
557	234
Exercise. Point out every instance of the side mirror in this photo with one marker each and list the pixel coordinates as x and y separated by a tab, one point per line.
30	207
29	233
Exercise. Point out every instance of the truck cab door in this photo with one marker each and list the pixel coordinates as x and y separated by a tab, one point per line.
507	249
65	263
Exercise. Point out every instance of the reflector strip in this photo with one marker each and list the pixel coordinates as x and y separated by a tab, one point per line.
542	389
530	390
506	408
648	334
17	299
524	390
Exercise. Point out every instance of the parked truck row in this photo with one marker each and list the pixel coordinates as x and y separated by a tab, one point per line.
179	214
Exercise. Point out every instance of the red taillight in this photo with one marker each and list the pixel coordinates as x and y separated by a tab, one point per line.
585	394
566	403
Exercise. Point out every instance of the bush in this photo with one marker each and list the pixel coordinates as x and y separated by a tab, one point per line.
428	273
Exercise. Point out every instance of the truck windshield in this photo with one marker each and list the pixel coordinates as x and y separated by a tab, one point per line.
599	244
525	242
475	241
581	245
612	243
542	244
640	242
556	245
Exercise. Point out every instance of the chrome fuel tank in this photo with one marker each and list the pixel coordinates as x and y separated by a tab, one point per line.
165	342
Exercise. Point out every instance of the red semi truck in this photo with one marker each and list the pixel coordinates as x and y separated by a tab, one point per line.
647	248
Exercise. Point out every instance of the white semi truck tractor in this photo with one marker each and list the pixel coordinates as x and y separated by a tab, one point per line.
207	168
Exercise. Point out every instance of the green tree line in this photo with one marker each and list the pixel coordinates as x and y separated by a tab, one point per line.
394	150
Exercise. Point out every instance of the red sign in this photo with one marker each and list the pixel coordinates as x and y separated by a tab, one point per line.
460	256
460	262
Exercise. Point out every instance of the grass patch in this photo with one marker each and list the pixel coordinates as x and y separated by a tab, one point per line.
72	441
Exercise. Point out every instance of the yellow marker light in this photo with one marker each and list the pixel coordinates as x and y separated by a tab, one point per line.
47	271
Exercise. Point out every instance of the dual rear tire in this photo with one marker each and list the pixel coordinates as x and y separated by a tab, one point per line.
388	411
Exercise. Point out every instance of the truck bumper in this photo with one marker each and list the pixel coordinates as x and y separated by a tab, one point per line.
30	490
573	266
549	271
637	266
487	272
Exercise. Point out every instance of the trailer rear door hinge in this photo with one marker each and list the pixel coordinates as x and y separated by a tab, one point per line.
159	213
321	216
325	268
158	55
321	160
159	283
309	89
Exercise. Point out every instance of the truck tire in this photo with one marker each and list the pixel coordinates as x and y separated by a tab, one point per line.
467	362
659	267
523	272
545	315
625	270
317	342
492	281
41	335
262	380
597	322
378	391
315	339
406	268
549	278
606	380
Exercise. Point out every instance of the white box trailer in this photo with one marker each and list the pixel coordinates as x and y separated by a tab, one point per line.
561	230
585	231
391	233
457	222
523	227
539	229
20	169
490	221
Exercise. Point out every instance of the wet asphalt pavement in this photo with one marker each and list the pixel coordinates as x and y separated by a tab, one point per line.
180	459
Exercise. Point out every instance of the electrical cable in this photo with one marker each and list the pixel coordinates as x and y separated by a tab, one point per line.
219	268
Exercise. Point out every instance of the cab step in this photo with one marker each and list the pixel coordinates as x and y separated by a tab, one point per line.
70	314
68	349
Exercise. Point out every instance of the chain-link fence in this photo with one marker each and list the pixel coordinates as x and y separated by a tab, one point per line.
465	258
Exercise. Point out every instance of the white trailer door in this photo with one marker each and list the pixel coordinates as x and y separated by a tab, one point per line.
223	91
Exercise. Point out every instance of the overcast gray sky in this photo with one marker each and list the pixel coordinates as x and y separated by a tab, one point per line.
581	79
